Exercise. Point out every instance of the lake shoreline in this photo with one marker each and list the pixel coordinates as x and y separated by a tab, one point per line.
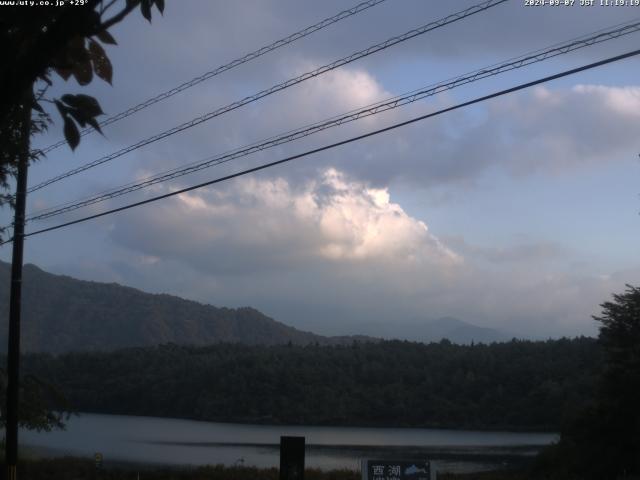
265	422
162	442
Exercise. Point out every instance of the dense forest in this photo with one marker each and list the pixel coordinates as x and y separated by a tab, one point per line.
512	385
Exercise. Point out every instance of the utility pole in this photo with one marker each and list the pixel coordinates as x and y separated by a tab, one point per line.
13	357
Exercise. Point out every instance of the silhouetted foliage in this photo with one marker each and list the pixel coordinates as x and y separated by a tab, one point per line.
603	441
36	41
39	40
513	385
42	406
83	469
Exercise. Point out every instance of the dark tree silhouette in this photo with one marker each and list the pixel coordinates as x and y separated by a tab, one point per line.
42	406
39	41
620	388
603	442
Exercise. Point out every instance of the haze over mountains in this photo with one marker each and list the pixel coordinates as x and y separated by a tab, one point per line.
63	314
450	328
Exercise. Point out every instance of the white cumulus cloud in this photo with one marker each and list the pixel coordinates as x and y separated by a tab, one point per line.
270	222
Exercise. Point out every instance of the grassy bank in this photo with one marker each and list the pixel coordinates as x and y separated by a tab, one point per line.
81	469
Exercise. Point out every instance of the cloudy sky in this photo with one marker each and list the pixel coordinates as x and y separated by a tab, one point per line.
520	213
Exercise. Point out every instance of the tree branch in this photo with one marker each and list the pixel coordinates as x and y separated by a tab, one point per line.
118	17
107	7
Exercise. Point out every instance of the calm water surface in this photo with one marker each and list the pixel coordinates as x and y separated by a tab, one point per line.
187	442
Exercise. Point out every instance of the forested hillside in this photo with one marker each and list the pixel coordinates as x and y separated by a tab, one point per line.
513	385
61	314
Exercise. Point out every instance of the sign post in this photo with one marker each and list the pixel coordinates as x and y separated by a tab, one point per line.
291	458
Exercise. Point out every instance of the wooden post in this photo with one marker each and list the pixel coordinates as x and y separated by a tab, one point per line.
291	458
13	354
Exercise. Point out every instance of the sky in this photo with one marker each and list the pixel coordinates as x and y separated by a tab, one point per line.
520	213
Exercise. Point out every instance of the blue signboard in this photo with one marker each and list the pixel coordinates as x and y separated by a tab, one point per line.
396	470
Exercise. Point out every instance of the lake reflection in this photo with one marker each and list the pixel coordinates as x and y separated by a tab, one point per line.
187	442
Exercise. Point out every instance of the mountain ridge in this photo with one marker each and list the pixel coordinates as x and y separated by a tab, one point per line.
435	330
61	314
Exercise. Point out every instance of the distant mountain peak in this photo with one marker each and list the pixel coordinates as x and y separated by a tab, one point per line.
448	321
433	330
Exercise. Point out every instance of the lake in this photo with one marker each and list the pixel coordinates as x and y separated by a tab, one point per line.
185	442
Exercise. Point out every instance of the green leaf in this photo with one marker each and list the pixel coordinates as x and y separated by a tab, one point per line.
46	78
89	104
93	19
71	133
83	73
79	117
36	106
160	5
85	103
78	60
101	64
69	99
105	37
145	8
61	108
65	73
94	123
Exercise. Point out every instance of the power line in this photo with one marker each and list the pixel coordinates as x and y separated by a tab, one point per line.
223	68
374	109
276	88
340	143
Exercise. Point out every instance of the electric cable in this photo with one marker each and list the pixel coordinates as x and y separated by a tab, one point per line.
521	86
373	109
228	66
276	88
